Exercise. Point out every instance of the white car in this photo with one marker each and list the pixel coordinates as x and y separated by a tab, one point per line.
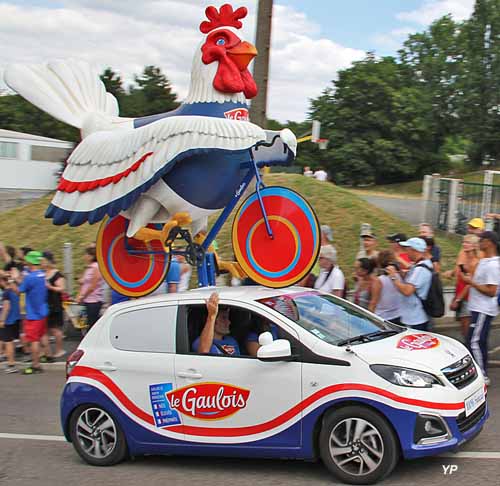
335	383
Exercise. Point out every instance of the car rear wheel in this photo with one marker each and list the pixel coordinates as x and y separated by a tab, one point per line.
357	445
96	436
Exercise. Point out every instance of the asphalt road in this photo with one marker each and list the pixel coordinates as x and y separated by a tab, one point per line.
407	209
40	456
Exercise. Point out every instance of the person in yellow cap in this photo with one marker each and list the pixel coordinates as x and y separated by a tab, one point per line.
475	226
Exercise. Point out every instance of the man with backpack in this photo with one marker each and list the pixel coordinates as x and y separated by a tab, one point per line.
416	287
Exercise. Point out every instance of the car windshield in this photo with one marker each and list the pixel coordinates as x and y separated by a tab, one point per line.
331	319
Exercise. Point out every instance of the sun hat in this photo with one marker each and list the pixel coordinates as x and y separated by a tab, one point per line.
417	244
327	231
34	257
328	252
367	234
476	223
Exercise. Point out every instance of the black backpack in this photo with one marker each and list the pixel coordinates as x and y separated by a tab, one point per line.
434	302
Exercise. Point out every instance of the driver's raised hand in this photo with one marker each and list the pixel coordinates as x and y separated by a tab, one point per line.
213	304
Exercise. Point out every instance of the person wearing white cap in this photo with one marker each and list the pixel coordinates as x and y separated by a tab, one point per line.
330	279
416	286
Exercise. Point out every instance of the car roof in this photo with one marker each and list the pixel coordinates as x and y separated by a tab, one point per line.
247	293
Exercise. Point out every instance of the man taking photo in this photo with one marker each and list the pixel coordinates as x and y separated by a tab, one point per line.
416	286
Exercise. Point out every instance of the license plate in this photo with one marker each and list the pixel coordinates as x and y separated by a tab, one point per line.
474	402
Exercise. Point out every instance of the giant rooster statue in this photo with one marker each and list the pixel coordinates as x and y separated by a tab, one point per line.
174	168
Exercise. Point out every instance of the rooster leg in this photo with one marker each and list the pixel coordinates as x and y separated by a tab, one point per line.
150	234
233	268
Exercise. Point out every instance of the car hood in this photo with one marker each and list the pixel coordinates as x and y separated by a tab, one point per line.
413	349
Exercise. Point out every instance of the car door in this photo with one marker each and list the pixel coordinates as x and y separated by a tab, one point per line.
237	399
140	361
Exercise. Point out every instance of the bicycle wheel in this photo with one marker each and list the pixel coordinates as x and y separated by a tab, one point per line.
131	274
290	254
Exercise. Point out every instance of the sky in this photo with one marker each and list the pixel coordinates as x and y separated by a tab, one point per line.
311	41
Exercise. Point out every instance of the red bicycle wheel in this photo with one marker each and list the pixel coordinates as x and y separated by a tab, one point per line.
131	267
289	255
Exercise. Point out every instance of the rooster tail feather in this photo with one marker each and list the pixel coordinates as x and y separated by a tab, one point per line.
69	90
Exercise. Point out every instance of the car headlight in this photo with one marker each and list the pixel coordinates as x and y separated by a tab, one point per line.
405	376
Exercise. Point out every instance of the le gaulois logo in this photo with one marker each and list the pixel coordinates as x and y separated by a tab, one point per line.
240	114
416	342
208	401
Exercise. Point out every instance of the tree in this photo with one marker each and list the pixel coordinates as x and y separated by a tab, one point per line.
152	95
379	128
113	83
481	94
433	62
19	115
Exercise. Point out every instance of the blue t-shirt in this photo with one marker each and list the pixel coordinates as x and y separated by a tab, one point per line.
253	336
14	311
227	343
36	292
412	309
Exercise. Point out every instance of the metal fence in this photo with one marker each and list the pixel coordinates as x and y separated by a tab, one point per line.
451	203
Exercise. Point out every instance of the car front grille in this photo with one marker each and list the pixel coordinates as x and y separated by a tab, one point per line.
465	423
461	373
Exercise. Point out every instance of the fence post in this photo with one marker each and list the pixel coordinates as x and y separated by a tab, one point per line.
451	223
68	266
426	196
433	207
488	181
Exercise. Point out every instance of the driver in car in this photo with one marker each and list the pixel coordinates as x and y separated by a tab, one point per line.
215	337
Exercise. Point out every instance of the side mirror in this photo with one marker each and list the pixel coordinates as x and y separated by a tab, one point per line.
278	350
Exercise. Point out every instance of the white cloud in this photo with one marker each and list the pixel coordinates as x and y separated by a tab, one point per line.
128	34
394	39
434	9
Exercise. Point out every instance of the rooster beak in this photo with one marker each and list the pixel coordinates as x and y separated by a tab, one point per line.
242	54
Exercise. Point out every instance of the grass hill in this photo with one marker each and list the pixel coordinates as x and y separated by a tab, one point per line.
337	207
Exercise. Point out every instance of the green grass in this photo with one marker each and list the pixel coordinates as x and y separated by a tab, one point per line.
335	206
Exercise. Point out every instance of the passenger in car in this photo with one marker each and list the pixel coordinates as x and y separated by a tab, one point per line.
252	341
215	337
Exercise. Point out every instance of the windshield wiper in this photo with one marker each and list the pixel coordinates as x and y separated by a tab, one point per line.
368	337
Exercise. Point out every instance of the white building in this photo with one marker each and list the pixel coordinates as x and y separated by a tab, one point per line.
29	166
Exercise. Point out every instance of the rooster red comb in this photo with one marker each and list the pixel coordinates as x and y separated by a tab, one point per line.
225	17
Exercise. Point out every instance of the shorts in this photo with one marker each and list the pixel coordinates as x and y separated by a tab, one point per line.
34	330
463	310
10	332
55	320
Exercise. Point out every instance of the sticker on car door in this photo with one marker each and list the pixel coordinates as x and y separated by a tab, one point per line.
162	412
208	401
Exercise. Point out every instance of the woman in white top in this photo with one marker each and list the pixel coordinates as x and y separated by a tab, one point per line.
386	298
331	278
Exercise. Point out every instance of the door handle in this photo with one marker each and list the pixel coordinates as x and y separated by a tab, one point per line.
193	374
107	366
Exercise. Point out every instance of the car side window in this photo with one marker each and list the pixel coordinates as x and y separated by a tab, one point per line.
150	330
246	325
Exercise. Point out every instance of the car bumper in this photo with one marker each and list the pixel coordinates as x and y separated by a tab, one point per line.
462	429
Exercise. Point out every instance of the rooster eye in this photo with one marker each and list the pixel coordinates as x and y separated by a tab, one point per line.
220	41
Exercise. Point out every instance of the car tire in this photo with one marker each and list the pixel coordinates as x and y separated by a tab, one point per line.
96	436
357	445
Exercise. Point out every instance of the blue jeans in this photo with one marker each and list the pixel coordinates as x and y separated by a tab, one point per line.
477	339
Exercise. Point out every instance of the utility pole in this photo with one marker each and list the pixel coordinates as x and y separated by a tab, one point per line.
261	63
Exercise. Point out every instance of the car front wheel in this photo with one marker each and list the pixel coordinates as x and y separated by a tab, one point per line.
357	445
96	436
